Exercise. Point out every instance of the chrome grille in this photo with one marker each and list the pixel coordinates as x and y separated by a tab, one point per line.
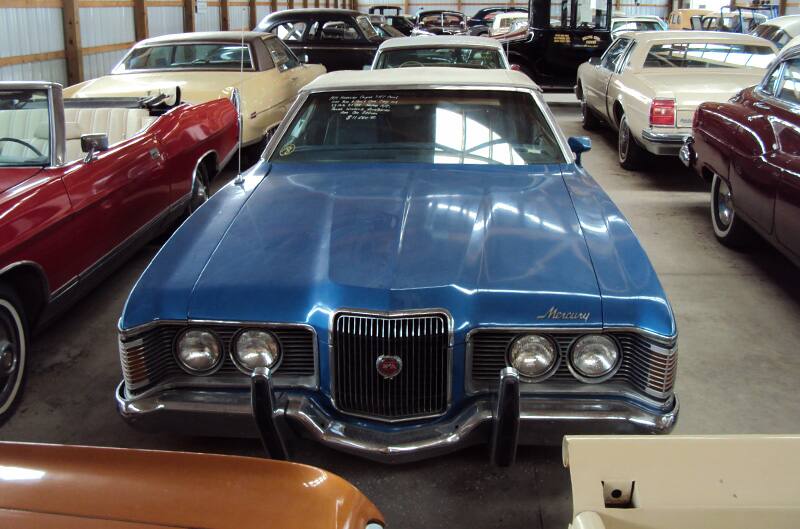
421	341
147	357
648	366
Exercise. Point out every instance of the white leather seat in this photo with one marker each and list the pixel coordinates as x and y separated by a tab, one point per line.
118	123
33	125
23	124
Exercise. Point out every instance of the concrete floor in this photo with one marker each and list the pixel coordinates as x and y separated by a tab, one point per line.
737	313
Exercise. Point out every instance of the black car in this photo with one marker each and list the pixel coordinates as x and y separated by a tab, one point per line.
394	18
439	22
563	35
339	39
481	22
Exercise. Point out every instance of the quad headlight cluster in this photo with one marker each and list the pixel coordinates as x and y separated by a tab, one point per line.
592	358
200	352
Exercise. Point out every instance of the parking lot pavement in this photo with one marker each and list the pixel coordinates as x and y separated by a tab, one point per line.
737	313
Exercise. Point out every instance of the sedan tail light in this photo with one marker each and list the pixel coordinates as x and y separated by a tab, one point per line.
662	113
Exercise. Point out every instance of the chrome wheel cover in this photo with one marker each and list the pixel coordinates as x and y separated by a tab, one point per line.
9	357
624	140
724	204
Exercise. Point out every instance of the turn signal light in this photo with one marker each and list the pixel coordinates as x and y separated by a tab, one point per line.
662	113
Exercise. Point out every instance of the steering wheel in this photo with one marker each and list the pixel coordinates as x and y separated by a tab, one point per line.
411	64
24	144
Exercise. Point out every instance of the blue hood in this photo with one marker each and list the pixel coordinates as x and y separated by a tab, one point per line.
502	245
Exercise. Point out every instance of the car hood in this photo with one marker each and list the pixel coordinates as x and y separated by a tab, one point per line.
502	244
196	87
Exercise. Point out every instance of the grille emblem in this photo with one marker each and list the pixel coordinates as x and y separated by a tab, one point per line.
389	366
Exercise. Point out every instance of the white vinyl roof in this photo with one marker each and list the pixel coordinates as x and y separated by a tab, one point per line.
663	37
784	22
440	41
419	78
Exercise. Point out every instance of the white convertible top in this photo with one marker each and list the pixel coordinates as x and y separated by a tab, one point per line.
786	21
440	41
419	78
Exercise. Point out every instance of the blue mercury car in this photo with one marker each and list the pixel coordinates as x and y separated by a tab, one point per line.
411	268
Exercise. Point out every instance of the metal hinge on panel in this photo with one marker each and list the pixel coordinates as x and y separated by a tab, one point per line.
618	494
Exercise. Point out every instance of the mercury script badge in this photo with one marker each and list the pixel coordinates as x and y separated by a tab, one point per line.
389	366
554	314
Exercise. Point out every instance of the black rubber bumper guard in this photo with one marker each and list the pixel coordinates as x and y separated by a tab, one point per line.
505	426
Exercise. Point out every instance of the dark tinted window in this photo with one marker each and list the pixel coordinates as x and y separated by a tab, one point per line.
427	126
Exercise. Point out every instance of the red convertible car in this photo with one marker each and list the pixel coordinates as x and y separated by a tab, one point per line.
83	183
749	148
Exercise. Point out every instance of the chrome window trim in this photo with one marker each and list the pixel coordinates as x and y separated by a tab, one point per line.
55	117
253	59
389	314
775	98
196	381
535	94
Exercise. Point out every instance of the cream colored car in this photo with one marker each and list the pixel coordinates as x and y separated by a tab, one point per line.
648	85
684	482
207	66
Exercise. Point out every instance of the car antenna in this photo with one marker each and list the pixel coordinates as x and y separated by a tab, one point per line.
239	178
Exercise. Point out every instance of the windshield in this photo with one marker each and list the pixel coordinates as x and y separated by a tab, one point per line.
708	55
25	123
459	57
636	25
422	126
208	56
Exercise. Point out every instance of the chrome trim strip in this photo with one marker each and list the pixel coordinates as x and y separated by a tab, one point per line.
390	314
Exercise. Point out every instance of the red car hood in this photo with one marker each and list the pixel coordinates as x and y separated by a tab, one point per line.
11	176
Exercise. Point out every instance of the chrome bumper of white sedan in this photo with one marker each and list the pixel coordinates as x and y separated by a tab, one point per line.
663	143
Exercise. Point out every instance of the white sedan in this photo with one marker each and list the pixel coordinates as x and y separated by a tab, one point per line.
441	50
647	85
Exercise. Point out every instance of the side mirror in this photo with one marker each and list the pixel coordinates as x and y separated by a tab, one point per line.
594	61
92	143
579	145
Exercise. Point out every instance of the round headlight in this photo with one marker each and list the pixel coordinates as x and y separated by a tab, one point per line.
256	349
594	356
198	351
532	355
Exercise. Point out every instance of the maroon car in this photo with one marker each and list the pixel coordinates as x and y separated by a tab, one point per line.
83	183
749	148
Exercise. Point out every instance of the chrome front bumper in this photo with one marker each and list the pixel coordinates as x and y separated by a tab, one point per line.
663	143
529	419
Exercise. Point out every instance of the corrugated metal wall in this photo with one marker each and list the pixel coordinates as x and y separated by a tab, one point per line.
21	34
239	17
108	28
32	36
164	19
208	21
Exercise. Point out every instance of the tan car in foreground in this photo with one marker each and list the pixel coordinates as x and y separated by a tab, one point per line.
207	66
684	482
78	487
647	85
